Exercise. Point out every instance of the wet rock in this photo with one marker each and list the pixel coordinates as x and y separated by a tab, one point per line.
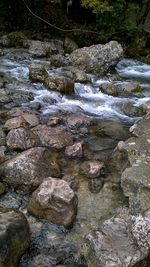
2	188
37	72
123	240
21	139
130	109
109	89
14	238
146	107
93	169
76	150
69	45
20	96
141	127
53	121
3	157
42	49
58	81
2	137
96	184
78	75
29	168
55	201
75	121
129	89
73	183
97	59
25	120
53	137
59	61
4	97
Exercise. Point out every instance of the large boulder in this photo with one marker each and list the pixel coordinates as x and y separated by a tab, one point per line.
123	240
29	168
53	137
97	59
54	200
135	180
14	238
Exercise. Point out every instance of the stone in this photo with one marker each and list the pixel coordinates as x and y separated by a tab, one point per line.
21	138
123	240
2	137
75	121
76	150
4	97
73	183
97	59
129	89
96	184
37	72
59	81
53	137
2	154
92	169
25	120
69	45
15	39
29	168
53	121
42	49
55	201
108	88
14	238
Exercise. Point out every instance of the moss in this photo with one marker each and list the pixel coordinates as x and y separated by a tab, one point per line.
137	89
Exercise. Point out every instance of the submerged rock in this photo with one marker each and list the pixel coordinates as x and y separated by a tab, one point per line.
54	200
98	58
29	168
14	238
93	169
123	240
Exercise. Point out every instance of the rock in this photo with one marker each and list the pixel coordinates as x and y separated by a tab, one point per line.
14	238
2	188
129	89
78	75
123	240
55	201
53	121
1	52
109	88
135	180
97	59
69	45
93	169
25	120
37	72
2	137
59	81
53	137
59	61
96	184
21	139
12	39
2	82
76	150
2	154
130	109
73	183
4	97
29	168
42	49
75	121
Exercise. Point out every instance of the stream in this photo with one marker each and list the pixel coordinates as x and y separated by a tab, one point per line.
52	244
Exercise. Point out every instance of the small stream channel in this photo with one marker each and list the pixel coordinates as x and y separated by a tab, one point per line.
51	244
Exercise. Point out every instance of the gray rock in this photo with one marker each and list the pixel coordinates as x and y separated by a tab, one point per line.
93	169
2	154
2	137
123	240
29	168
54	200
42	49
25	120
97	59
75	121
76	150
21	139
14	238
37	72
53	137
